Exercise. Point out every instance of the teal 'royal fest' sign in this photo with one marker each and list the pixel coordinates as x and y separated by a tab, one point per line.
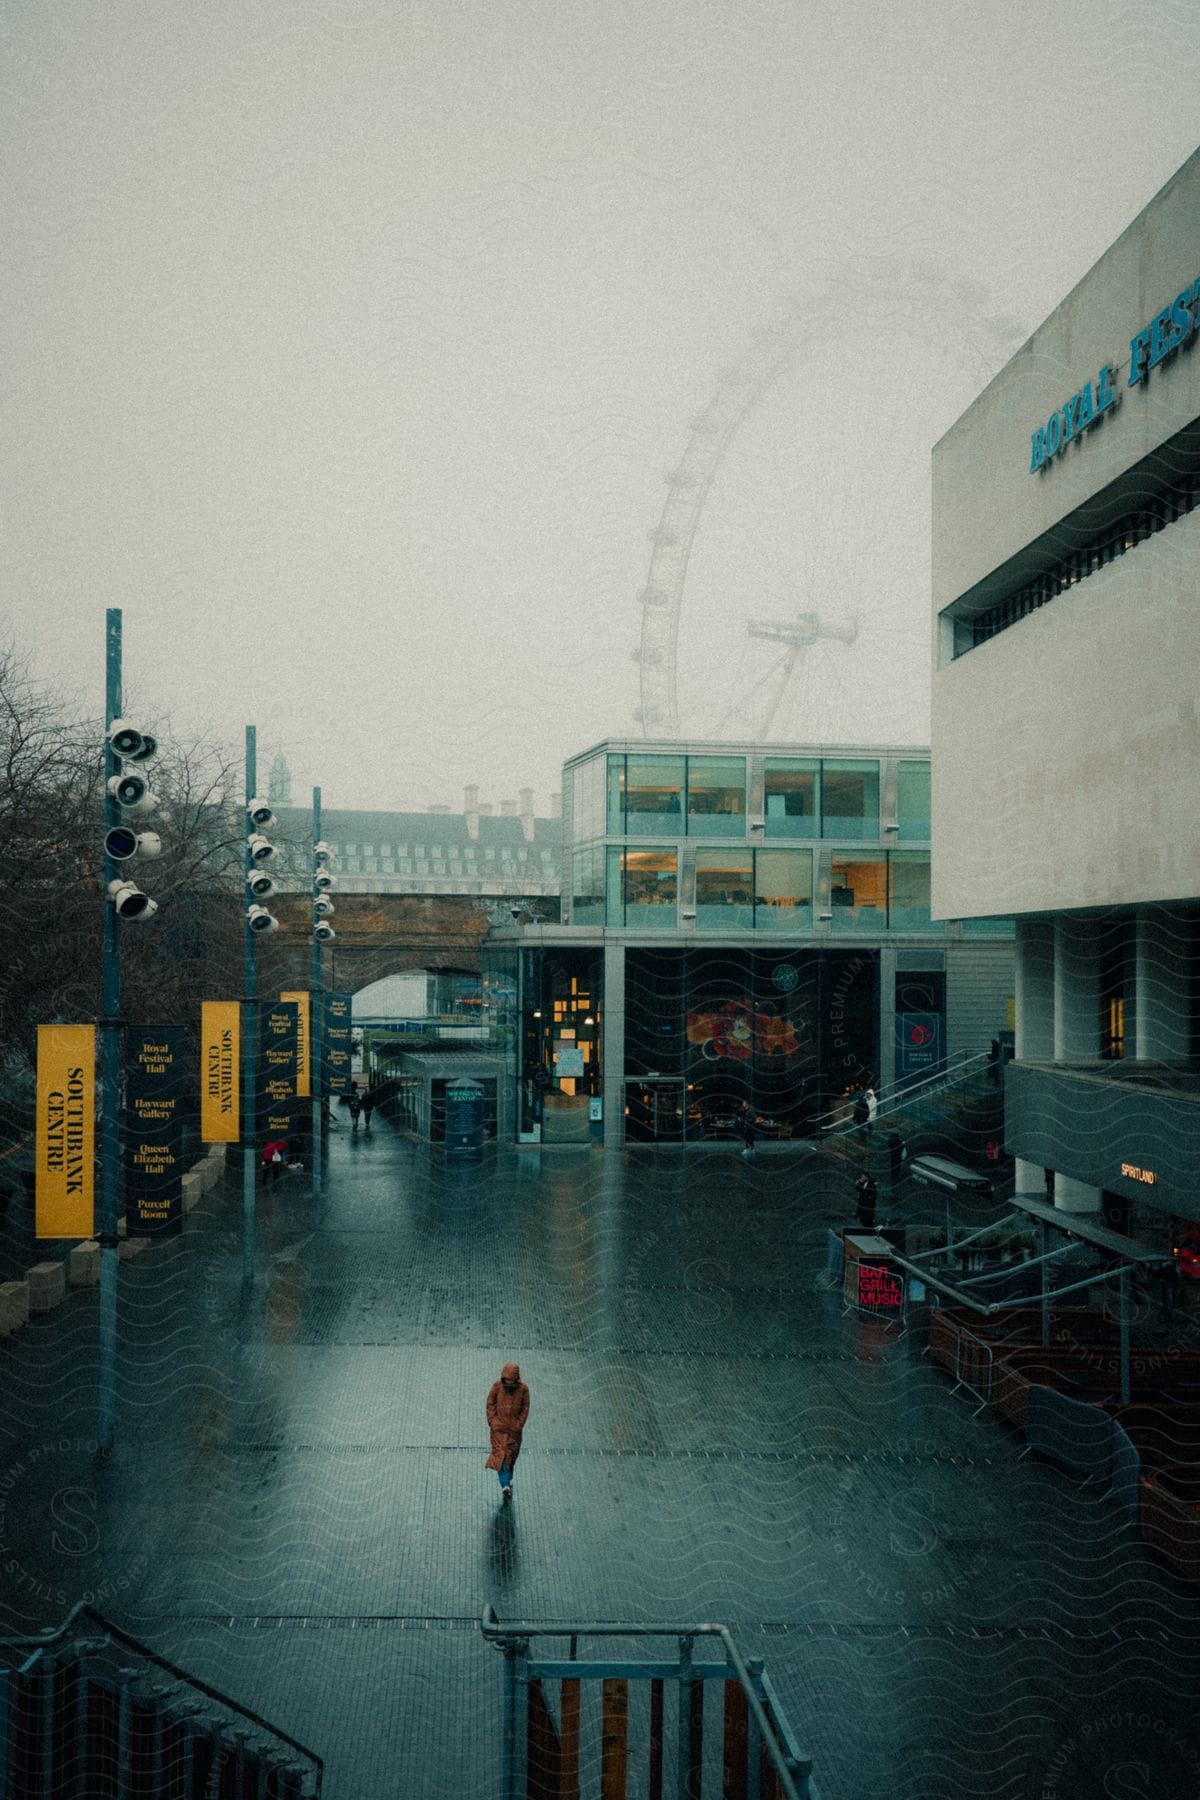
1166	332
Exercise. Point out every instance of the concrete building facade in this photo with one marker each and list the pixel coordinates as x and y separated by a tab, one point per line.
1066	714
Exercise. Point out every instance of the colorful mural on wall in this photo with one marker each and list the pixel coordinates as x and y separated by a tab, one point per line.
739	1031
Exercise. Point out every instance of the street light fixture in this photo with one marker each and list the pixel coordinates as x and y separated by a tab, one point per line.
125	793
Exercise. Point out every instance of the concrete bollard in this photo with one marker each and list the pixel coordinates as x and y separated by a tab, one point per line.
191	1190
216	1153
14	1305
47	1283
130	1247
83	1264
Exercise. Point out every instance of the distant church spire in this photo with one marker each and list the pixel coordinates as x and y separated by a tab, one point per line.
279	792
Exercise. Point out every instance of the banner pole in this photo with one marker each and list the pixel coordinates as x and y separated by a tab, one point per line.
249	1028
110	1055
316	1019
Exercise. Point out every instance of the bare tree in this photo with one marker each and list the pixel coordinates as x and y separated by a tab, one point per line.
51	874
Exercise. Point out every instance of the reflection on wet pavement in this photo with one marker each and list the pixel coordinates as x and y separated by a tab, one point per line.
297	1509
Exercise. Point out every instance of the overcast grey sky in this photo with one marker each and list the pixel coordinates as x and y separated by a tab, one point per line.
348	345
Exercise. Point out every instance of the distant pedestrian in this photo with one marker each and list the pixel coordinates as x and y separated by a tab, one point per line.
872	1108
747	1128
867	1196
897	1152
507	1411
355	1109
274	1160
862	1110
368	1107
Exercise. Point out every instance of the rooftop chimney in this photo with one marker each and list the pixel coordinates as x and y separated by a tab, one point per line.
508	809
526	799
471	809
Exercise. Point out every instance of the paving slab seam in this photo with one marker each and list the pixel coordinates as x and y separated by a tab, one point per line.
466	1623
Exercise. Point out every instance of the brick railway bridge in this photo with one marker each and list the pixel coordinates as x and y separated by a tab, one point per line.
381	934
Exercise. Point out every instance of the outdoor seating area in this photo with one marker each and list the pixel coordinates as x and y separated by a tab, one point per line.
1063	1396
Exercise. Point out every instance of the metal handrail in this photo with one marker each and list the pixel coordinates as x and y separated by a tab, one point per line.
791	1764
898	1096
961	1380
55	1634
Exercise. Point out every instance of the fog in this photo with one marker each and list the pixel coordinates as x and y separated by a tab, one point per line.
350	348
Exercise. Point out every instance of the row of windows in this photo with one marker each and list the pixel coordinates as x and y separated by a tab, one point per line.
405	865
464	851
1070	570
706	796
743	889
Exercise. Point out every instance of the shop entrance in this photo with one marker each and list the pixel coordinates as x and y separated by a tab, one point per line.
655	1110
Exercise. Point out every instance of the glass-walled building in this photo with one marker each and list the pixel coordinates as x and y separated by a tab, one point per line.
743	926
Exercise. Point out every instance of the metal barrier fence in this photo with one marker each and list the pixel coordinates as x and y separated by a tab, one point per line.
89	1713
974	1361
545	1758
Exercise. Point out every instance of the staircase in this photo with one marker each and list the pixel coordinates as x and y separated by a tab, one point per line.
89	1713
636	1722
961	1105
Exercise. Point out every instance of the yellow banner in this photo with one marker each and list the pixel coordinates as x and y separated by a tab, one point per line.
303	1086
220	1071
66	1131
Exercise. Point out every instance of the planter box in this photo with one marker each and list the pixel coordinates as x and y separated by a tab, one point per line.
47	1283
14	1305
83	1264
1170	1518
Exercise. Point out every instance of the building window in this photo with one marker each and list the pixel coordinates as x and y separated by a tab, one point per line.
587	886
858	894
716	796
422	868
913	800
456	868
436	850
385	849
439	868
405	866
352	864
587	806
653	796
724	890
368	849
908	891
790	792
643	887
850	799
370	865
782	889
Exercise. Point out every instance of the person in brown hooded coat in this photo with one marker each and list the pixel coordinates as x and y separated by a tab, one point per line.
507	1411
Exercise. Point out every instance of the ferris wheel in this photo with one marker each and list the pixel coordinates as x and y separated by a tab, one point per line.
787	590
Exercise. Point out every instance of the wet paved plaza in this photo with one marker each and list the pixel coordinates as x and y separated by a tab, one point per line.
297	1508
